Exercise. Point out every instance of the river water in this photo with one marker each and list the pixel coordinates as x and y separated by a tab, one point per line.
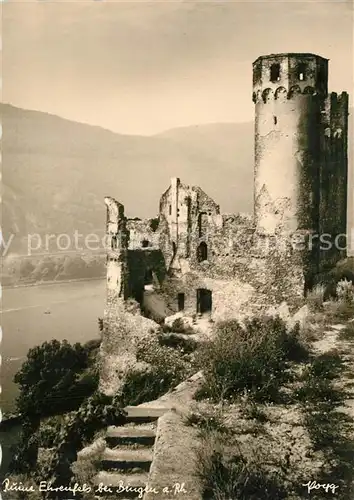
31	315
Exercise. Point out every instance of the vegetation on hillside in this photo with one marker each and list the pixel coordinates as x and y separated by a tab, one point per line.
270	412
62	410
34	269
252	359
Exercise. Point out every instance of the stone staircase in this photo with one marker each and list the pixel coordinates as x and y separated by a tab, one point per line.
125	463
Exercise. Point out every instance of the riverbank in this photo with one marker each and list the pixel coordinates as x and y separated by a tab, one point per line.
74	309
44	283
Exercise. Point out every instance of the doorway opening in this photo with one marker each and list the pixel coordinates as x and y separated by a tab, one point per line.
204	300
148	278
202	252
180	300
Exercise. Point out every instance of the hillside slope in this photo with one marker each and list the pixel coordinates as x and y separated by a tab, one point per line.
57	172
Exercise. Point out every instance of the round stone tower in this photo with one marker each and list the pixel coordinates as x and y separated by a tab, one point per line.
289	92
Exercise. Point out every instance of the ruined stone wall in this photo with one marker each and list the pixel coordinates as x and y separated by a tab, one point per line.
300	155
117	243
241	285
142	235
333	179
127	263
223	255
142	264
180	207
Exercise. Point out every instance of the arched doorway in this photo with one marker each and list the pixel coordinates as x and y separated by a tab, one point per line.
202	252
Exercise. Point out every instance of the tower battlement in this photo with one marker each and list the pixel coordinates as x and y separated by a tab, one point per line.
288	75
300	149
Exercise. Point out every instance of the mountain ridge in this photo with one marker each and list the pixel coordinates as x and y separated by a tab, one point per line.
56	172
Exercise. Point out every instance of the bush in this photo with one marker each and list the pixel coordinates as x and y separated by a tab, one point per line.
154	223
56	378
97	412
326	366
235	477
347	333
171	362
141	387
48	379
315	298
207	420
254	412
339	310
250	360
178	326
186	345
345	291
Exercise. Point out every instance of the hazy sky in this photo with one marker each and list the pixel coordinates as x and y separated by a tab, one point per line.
141	67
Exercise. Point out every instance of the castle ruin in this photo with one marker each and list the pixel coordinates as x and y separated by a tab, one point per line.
203	262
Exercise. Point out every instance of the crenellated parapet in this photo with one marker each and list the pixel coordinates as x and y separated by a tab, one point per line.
293	73
282	94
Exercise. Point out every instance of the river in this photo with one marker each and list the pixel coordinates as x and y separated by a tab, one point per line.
30	316
33	314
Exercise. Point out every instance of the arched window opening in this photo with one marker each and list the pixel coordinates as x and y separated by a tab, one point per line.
275	72
202	252
301	71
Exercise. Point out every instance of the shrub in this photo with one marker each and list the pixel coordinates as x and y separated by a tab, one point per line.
326	366
169	361
97	412
345	291
207	420
186	345
315	391
251	359
315	298
154	223
348	332
339	310
178	326
235	477
253	412
141	387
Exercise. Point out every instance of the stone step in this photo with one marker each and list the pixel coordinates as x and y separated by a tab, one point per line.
130	435
121	486
140	414
126	459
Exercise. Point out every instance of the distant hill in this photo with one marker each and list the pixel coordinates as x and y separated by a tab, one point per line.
56	172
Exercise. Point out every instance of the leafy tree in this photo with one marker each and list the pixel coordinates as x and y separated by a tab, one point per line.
48	378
